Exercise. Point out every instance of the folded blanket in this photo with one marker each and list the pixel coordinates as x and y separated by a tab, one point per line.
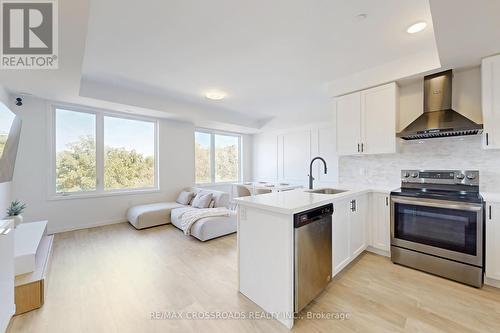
190	217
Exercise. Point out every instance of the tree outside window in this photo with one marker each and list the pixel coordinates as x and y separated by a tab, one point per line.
217	157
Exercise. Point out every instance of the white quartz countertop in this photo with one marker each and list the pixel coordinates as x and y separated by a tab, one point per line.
291	202
491	196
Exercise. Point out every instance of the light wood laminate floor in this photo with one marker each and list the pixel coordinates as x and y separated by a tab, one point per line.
110	279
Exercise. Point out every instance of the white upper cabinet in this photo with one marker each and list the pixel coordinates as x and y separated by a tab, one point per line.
348	109
379	109
490	77
366	121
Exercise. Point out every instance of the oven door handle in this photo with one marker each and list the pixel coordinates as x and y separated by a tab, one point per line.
438	204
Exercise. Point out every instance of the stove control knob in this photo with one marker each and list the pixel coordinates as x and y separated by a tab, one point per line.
414	175
460	176
406	175
471	176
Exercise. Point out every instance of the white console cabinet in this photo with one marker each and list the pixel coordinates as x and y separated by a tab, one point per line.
7	307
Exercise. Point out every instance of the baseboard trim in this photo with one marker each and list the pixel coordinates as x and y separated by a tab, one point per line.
51	231
378	251
492	282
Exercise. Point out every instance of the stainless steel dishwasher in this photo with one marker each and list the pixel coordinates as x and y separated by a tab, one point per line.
313	254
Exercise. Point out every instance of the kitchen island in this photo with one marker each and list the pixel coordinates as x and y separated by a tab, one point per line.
266	249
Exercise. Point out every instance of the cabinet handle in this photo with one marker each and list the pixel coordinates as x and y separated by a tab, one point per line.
387	201
362	147
489	212
358	148
353	205
487	139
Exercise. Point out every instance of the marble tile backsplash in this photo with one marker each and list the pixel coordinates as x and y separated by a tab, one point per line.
450	153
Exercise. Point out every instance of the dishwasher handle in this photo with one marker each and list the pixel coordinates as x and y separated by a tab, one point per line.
312	215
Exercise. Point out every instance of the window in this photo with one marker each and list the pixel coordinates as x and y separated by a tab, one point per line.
226	158
129	153
75	151
91	146
202	157
217	157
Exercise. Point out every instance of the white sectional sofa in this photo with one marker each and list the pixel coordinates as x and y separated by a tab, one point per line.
146	216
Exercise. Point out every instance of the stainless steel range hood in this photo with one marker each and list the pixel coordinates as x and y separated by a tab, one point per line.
438	119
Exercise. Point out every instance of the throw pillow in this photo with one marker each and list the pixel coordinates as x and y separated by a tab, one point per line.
184	198
202	200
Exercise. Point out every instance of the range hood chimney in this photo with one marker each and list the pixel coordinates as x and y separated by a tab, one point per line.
438	119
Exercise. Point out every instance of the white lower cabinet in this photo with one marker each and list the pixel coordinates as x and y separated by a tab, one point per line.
7	307
349	230
340	235
492	241
380	222
358	207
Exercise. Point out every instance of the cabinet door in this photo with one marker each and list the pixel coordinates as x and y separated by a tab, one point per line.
378	119
380	222
348	110
340	235
493	240
265	157
358	209
296	155
491	102
327	139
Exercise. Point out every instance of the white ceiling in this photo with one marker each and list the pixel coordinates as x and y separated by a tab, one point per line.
466	30
275	59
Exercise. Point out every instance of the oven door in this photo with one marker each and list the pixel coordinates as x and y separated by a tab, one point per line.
447	229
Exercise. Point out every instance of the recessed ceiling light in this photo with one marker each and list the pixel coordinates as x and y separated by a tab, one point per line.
215	95
361	17
417	27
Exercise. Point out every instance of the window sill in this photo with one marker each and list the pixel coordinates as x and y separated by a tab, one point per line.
216	184
101	194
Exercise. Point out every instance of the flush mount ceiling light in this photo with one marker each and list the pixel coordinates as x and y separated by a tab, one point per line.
417	27
215	95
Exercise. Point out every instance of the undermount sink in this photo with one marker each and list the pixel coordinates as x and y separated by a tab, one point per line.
327	191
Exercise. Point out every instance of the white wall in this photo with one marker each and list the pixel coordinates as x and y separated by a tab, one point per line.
30	183
5	188
284	155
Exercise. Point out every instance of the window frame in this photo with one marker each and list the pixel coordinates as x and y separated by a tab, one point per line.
100	191
212	134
